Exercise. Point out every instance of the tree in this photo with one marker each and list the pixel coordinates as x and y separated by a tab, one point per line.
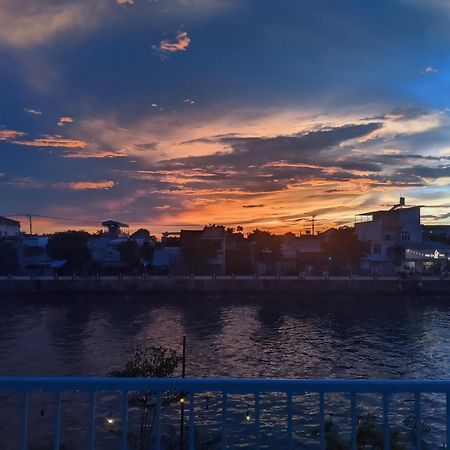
148	362
344	250
71	246
266	247
129	254
9	262
142	233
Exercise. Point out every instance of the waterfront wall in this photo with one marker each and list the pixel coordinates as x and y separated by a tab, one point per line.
224	284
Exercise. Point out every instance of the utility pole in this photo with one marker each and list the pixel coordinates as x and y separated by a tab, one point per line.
30	220
183	375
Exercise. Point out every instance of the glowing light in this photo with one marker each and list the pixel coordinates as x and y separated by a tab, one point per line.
110	419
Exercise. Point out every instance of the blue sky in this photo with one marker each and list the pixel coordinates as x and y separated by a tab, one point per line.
169	113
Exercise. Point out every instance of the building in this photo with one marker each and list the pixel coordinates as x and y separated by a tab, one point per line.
397	241
304	253
33	256
164	259
203	251
105	248
9	228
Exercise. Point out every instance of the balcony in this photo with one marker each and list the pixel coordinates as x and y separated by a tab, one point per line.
244	413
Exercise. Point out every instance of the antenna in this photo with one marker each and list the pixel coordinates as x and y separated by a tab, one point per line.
30	221
312	224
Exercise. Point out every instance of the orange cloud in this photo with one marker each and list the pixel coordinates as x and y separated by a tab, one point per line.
64	120
181	43
7	135
86	154
89	185
53	141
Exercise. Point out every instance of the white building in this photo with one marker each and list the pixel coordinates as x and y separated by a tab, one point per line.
397	242
9	227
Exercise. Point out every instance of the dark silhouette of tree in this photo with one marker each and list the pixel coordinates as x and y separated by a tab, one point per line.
71	246
344	250
266	247
129	254
142	233
9	262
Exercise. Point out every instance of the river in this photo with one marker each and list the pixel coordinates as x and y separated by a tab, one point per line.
277	336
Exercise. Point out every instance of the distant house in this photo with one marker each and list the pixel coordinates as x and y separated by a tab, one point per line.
398	243
33	256
164	259
9	228
105	248
304	253
203	251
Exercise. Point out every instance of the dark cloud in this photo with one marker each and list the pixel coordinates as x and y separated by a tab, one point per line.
300	147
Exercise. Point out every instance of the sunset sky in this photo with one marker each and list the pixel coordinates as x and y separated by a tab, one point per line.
173	114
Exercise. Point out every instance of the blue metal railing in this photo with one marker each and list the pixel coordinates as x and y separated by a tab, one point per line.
191	388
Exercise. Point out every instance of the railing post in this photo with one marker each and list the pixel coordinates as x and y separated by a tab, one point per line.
25	422
289	420
57	433
158	422
92	430
354	420
257	421
125	420
418	421
322	420
224	421
386	437
191	422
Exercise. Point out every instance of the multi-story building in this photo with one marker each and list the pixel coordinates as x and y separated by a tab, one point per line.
397	241
9	228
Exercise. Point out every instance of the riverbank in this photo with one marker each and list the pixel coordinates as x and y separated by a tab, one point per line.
224	284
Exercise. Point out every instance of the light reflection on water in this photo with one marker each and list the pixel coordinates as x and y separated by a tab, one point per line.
239	336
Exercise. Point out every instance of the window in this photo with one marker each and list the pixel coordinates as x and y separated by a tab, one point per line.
405	236
377	249
387	237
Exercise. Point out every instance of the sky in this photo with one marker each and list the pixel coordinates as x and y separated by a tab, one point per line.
172	114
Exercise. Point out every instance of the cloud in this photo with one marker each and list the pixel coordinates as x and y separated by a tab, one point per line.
430	69
32	111
25	183
253	206
89	185
32	183
7	135
53	141
125	2
63	120
94	154
300	147
29	23
180	44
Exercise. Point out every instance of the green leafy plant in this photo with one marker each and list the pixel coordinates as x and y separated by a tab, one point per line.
148	362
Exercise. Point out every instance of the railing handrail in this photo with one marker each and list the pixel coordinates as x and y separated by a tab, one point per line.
228	385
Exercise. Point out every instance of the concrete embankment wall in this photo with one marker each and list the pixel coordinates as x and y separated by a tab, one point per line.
225	285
